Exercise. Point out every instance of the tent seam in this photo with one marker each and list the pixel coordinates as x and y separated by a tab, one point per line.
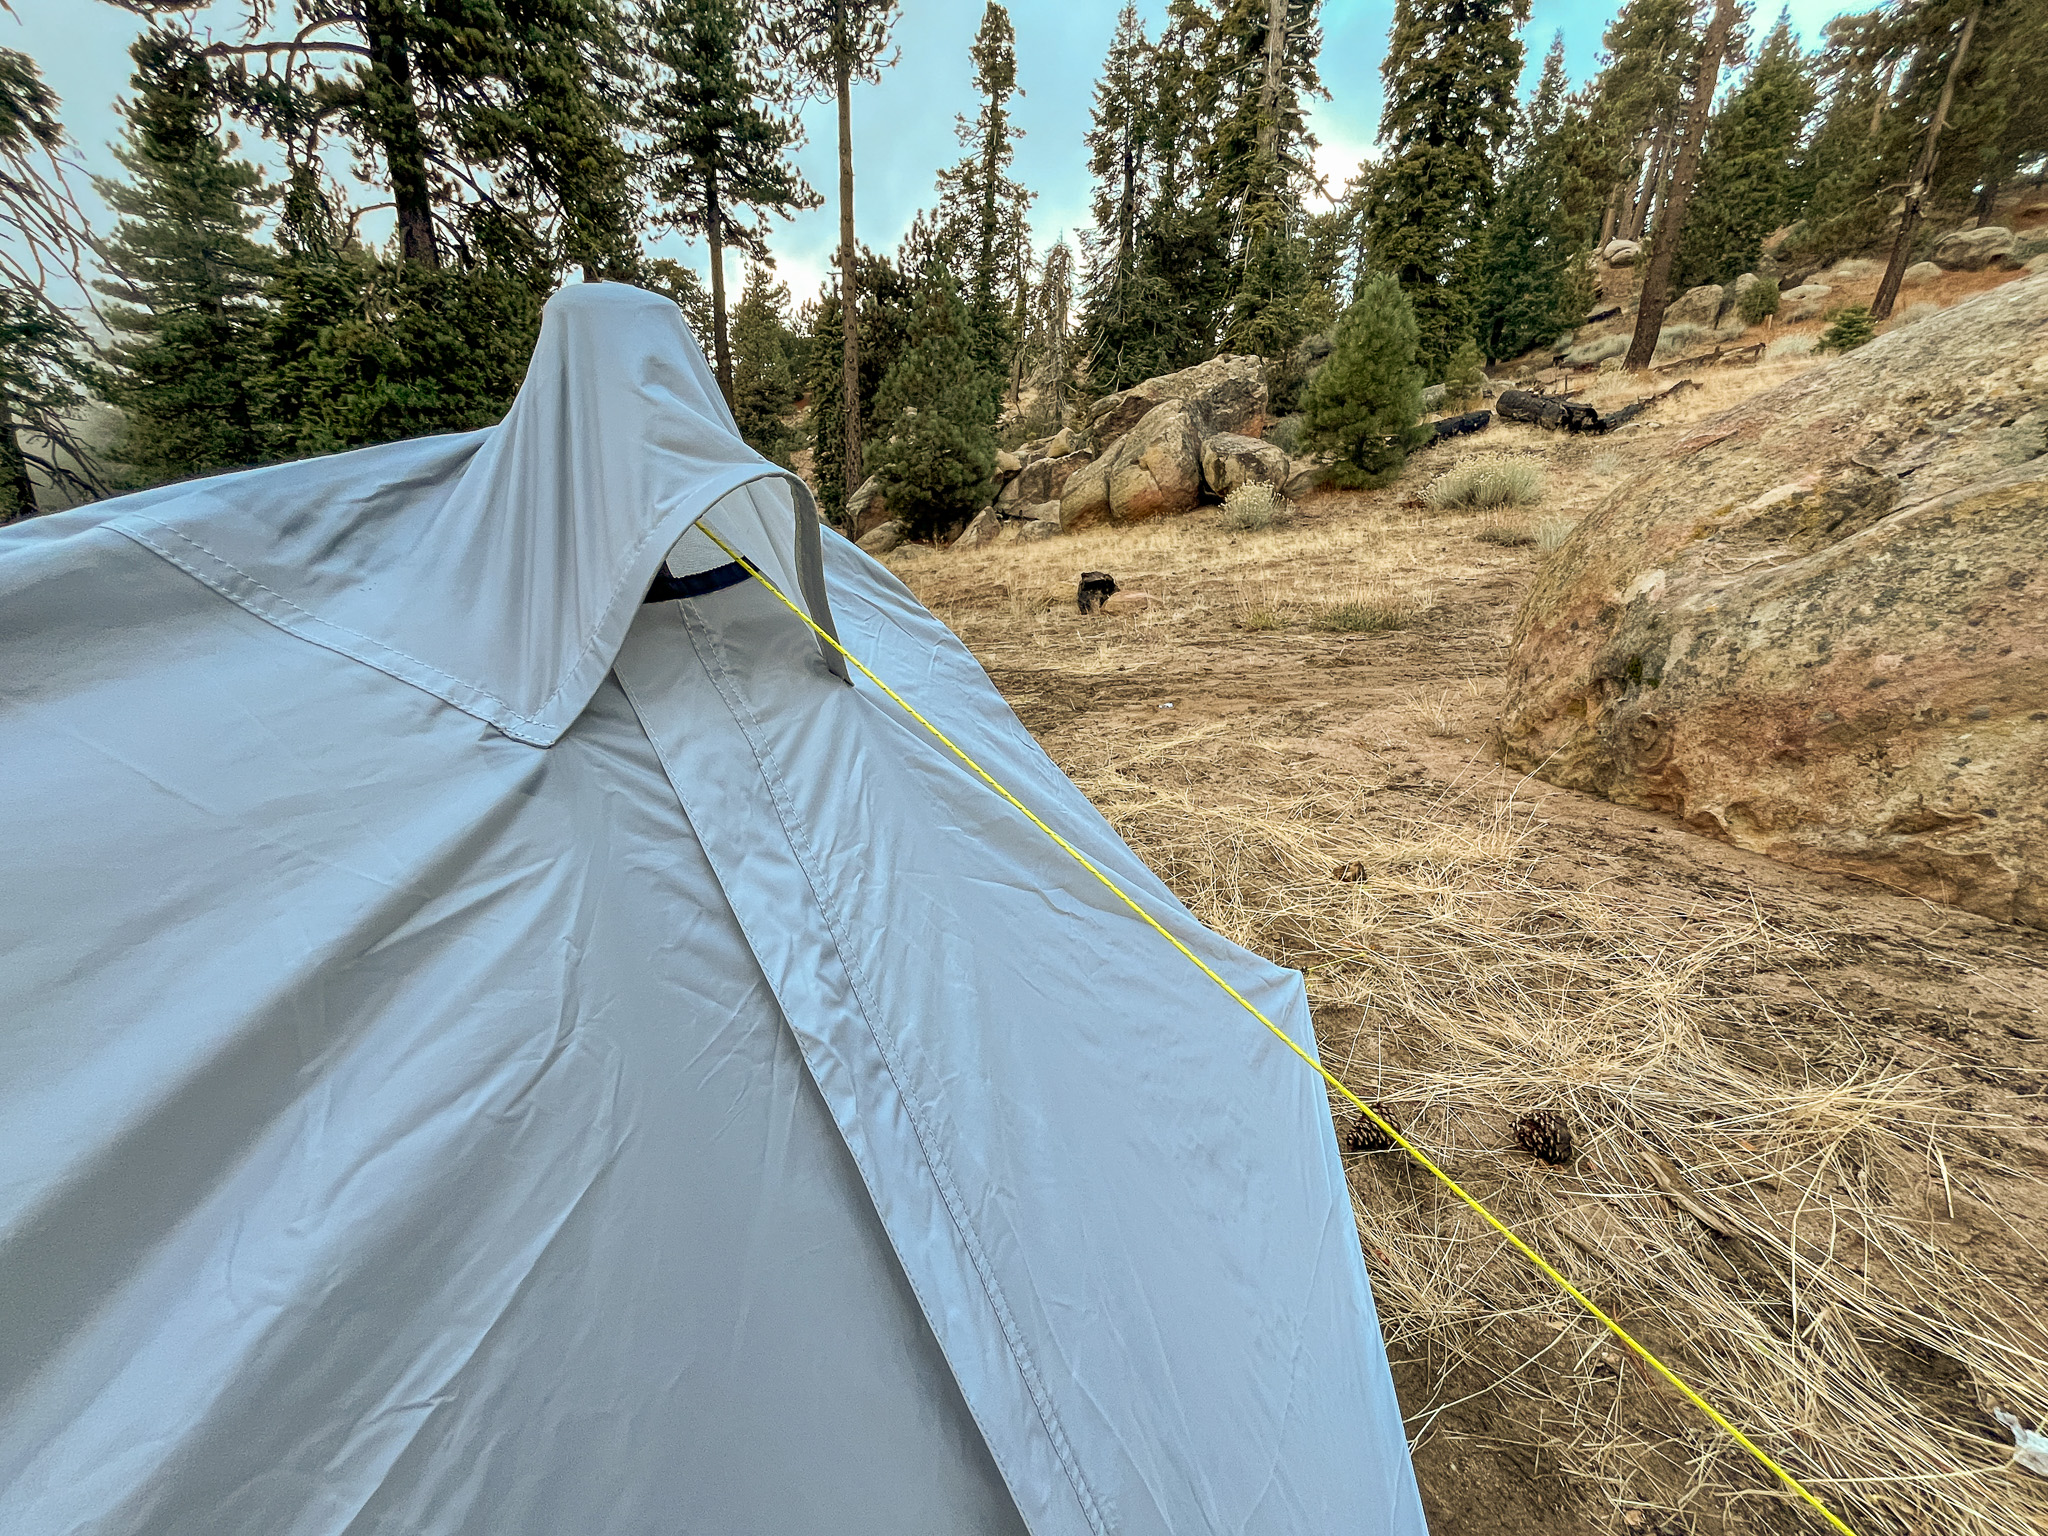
948	1191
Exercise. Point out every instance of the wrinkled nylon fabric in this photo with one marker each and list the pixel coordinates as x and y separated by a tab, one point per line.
729	1118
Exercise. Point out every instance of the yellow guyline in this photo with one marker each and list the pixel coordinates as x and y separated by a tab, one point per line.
1287	1040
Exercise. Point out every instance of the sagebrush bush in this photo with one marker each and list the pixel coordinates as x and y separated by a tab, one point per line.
1598	350
1551	534
1254	507
1682	337
1487	480
1790	346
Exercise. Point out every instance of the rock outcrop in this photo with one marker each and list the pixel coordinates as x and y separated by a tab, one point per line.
1815	625
1972	250
1226	394
1229	460
1043	479
1696	306
1803	302
1155	470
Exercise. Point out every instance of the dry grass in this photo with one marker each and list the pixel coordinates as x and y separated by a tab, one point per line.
1758	1197
1457	991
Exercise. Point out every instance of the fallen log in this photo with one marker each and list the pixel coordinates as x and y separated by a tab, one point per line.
1635	408
1459	426
1546	411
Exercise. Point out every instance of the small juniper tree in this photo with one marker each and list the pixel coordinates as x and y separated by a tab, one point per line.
1364	404
1853	327
936	462
1465	380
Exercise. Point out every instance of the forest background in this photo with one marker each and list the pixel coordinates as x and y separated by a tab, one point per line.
327	226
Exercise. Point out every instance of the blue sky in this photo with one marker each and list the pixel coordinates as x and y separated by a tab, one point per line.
903	127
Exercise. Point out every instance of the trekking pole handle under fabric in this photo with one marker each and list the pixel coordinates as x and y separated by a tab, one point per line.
1321	1071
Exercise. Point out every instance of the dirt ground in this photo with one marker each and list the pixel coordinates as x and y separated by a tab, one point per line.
1809	1113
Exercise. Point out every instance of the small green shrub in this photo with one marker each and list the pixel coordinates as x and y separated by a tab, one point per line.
1254	507
1260	616
1852	328
1487	480
1598	350
1285	434
1366	616
1465	382
1758	302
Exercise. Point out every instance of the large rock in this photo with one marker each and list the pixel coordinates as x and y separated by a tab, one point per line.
1155	470
1920	272
1042	480
867	508
1228	394
1803	302
1972	250
1229	460
1621	253
985	528
883	537
1696	306
1814	625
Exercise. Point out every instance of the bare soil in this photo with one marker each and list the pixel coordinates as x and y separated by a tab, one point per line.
1811	1114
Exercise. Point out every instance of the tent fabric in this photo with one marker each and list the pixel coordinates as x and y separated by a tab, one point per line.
488	1054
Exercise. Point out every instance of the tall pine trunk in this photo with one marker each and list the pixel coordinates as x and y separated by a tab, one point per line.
1269	85
17	490
1648	180
714	237
1923	171
1671	217
396	118
849	272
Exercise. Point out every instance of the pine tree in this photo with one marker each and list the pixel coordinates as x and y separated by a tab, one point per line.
826	387
495	123
833	43
937	459
1535	256
1747	168
764	382
1837	181
187	278
982	205
45	365
1053	327
1464	379
715	149
1364	405
1450	75
1639	108
1119	144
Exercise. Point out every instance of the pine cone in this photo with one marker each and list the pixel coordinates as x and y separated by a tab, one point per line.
1362	1135
1546	1134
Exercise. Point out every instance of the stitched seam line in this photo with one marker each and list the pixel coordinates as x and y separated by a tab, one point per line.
858	984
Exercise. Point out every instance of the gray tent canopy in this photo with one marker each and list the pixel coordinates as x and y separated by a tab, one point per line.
488	1054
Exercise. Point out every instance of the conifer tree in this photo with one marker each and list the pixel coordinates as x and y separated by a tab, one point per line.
764	384
1450	72
718	157
187	278
1836	186
831	44
1535	257
827	389
1364	405
1639	108
936	461
1747	171
982	205
495	124
1054	303
44	361
1119	144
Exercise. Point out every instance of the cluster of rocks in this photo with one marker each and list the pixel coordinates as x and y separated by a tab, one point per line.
1808	624
1157	449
